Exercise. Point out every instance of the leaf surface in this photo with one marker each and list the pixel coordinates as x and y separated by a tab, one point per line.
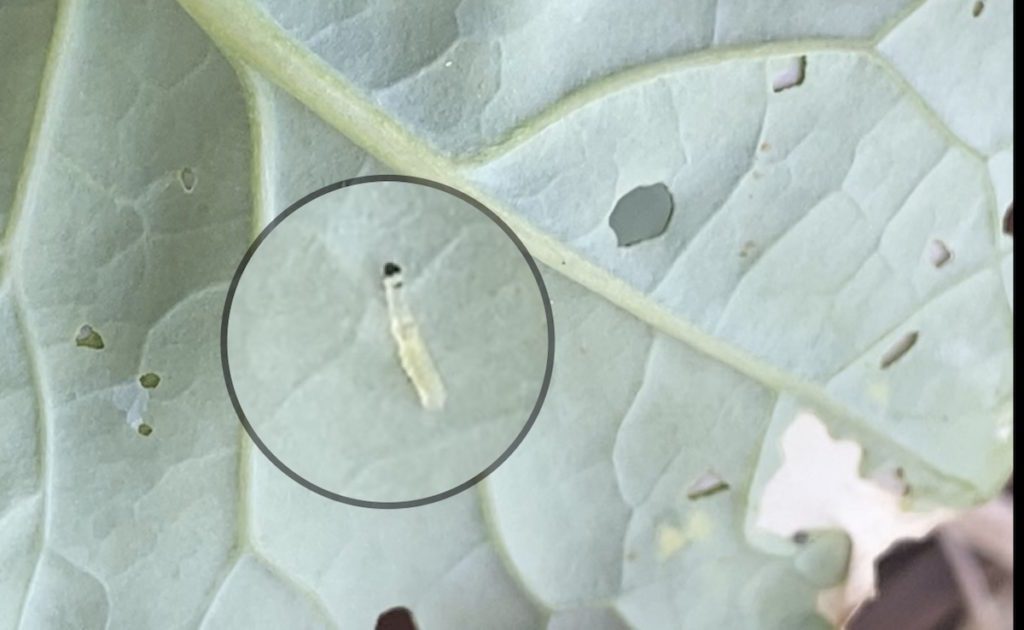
146	145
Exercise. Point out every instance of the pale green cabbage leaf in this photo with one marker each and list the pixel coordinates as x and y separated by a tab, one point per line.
144	147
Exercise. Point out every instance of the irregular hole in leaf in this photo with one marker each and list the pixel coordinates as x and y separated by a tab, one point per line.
939	253
188	179
978	7
641	214
87	337
898	349
818	487
1008	221
705	485
133	399
397	618
790	76
149	380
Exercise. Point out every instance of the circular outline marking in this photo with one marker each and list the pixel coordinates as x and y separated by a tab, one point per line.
548	367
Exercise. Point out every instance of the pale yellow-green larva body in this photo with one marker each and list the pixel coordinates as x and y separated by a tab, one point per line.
412	351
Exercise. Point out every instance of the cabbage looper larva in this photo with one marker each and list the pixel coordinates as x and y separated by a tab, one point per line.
412	352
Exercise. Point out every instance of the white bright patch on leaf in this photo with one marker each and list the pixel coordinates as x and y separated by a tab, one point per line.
819	486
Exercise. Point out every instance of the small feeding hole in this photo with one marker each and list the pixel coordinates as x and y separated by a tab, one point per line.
88	338
132	398
1008	221
898	349
939	253
791	75
398	618
978	7
641	214
748	250
187	177
707	484
149	380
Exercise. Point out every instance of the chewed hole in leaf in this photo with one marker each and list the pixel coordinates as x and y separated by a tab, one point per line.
398	618
707	484
898	349
978	7
149	380
939	253
133	399
188	179
87	337
791	75
1008	221
641	214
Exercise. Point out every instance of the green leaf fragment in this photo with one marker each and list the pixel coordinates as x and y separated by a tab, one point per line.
824	557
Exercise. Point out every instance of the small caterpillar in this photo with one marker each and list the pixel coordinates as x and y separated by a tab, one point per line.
412	352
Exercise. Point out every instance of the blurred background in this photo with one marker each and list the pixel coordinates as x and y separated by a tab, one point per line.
958	578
